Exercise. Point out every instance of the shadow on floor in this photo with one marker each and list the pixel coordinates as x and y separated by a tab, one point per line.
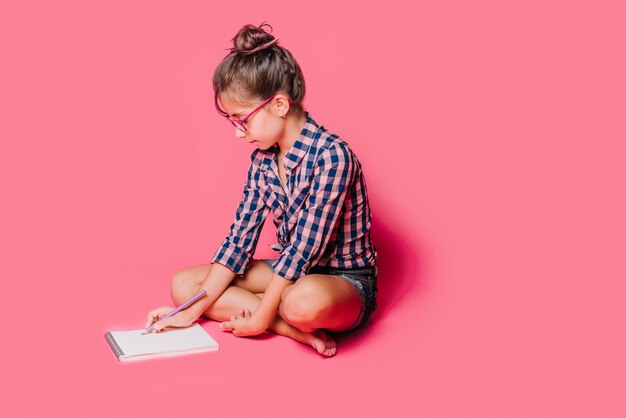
398	276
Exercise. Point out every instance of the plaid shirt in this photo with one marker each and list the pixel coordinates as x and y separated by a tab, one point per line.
322	215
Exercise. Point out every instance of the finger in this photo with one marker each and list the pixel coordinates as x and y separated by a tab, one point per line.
153	316
248	313
156	314
150	319
172	321
158	326
226	326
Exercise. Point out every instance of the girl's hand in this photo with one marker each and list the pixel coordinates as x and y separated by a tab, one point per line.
243	325
181	320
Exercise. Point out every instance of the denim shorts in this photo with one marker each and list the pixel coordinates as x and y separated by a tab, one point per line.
363	278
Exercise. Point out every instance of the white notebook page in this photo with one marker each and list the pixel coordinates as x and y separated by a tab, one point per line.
170	340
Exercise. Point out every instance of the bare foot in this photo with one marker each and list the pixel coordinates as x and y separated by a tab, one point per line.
322	342
317	339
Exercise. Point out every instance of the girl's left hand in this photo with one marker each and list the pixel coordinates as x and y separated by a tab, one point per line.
243	325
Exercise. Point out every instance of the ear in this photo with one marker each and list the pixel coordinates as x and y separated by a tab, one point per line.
281	104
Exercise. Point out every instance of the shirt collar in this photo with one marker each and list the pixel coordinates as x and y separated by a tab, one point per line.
302	144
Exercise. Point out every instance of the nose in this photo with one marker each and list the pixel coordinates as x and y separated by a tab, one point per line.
239	133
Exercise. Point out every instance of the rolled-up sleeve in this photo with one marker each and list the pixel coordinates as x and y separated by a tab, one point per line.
239	245
318	219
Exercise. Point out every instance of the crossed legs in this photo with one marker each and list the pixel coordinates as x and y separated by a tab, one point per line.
314	303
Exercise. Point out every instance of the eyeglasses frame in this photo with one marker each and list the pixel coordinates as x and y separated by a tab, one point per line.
240	123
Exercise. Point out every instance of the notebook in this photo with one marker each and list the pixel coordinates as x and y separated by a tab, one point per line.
131	345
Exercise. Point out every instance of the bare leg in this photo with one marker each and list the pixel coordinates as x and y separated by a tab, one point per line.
319	301
235	299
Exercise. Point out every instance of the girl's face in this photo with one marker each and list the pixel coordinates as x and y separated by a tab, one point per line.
264	127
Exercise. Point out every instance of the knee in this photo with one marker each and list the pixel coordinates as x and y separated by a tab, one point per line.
303	304
183	285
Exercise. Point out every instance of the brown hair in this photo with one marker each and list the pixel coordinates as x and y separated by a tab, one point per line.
258	68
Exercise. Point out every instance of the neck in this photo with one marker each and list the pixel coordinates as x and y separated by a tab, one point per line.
293	127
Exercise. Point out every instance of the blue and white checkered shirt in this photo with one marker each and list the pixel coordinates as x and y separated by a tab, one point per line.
322	216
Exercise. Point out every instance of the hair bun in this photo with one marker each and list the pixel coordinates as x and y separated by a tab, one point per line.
251	39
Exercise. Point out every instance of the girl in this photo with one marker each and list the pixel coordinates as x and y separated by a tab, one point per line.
324	277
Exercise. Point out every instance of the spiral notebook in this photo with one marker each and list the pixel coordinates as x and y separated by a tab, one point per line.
131	345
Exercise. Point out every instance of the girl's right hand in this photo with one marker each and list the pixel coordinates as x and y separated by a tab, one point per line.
181	320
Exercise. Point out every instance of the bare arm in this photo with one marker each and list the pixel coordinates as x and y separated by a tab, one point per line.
265	312
215	283
268	306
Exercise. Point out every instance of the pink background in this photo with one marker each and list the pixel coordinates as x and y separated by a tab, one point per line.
492	139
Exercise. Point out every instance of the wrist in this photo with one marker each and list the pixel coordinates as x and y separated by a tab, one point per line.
197	309
261	321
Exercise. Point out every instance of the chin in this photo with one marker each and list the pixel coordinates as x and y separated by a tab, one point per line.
263	146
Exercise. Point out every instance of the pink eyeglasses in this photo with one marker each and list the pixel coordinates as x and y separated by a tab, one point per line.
240	123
